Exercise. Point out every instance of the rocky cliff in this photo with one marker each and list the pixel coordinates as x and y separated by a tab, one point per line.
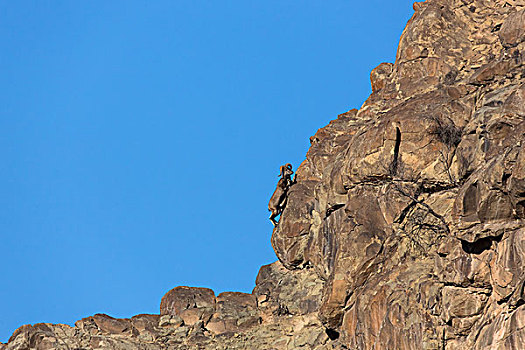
406	227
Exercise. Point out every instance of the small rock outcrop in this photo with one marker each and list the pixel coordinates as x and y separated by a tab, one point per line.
406	226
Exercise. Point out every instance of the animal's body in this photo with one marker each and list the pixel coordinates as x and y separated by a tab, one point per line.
280	195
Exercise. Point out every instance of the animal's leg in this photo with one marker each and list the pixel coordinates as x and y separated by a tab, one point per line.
275	213
272	217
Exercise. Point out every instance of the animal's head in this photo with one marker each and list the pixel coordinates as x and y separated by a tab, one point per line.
288	170
285	170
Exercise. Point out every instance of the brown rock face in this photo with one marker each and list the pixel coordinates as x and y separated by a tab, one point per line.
417	218
189	303
406	227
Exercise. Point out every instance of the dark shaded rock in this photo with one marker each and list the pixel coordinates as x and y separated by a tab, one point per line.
512	31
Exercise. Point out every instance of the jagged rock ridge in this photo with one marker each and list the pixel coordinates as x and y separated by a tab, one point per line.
405	229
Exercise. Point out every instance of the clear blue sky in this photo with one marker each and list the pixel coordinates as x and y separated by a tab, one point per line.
140	140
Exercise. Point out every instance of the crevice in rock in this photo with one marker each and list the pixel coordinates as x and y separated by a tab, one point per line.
433	187
496	28
505	178
494	104
520	209
483	289
333	208
467	173
392	169
480	245
332	333
504	300
405	212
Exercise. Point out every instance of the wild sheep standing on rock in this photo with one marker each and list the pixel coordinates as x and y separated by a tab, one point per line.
278	200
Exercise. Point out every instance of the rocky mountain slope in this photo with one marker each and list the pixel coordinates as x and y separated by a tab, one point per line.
406	227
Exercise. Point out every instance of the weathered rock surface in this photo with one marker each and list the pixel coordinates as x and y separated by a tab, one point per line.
281	313
406	227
